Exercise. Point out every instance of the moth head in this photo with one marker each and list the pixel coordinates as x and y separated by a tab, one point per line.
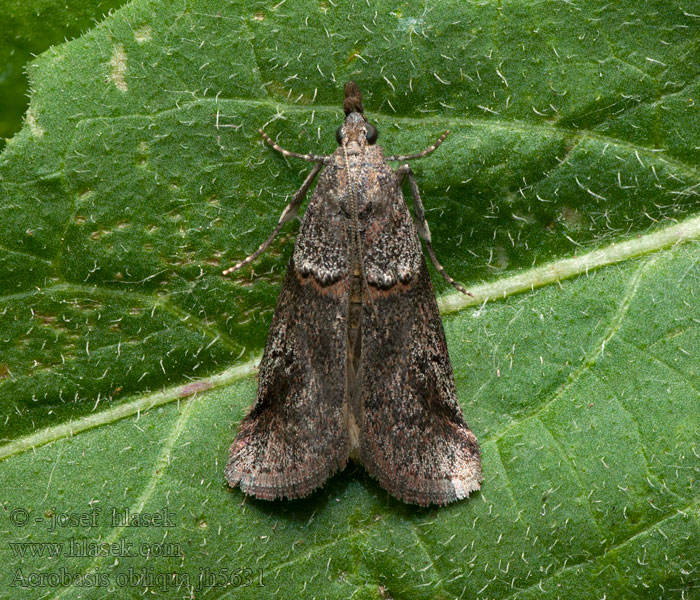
355	128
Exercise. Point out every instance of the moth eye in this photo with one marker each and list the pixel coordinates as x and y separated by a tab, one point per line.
371	133
339	135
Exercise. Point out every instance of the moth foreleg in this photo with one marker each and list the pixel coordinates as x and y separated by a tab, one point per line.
319	158
288	214
422	224
402	157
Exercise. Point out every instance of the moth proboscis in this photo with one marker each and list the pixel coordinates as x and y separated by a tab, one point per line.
356	363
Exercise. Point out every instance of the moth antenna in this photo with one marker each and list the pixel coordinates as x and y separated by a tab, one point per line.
318	158
249	259
441	270
288	214
402	157
422	225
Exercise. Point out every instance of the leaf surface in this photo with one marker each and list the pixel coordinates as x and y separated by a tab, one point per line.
27	29
139	176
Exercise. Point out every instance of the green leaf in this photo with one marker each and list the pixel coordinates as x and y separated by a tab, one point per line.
566	198
27	29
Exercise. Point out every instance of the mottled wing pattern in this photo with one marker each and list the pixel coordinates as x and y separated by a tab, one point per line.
322	245
413	439
295	435
392	250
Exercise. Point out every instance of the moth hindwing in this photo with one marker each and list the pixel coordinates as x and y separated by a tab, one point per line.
356	362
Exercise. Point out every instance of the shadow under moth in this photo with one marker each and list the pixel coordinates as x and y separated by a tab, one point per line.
356	364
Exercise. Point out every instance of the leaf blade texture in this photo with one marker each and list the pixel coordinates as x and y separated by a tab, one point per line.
139	175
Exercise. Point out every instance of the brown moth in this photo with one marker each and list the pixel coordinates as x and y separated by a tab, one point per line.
356	362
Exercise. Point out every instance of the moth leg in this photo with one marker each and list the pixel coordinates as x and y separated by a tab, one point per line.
422	225
319	158
288	214
425	152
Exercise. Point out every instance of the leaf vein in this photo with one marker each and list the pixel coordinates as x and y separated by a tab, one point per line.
646	529
590	358
579	483
161	465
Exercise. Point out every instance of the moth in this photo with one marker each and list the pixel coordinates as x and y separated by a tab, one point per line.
356	363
